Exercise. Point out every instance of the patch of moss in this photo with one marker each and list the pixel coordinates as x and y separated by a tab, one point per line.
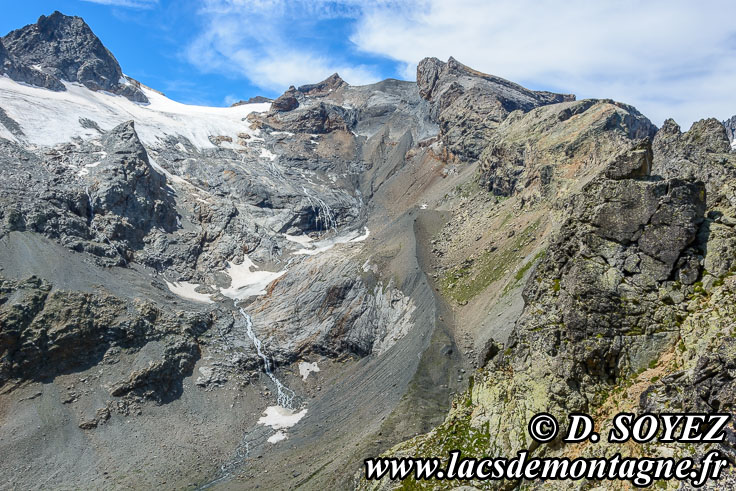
522	271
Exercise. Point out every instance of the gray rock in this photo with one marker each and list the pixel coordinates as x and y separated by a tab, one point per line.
730	125
65	48
468	104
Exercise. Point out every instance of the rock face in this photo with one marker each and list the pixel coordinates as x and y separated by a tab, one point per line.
626	306
535	152
469	104
593	308
59	47
730	125
46	333
16	70
123	201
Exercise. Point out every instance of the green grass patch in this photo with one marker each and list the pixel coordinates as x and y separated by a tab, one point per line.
522	271
465	282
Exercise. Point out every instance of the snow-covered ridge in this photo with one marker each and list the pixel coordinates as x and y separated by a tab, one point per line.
47	117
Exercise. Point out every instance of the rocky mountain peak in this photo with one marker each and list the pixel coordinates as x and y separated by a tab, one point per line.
435	76
259	99
333	82
63	47
469	104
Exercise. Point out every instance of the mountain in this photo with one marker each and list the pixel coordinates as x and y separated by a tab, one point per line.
269	293
59	49
730	125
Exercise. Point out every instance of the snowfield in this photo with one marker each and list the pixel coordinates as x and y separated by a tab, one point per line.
47	117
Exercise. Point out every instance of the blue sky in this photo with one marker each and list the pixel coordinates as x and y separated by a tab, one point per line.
671	58
153	43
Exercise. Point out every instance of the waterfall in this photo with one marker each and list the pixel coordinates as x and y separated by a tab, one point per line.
285	396
91	205
324	214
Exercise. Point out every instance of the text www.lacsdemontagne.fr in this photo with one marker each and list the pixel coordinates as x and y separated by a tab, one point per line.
639	471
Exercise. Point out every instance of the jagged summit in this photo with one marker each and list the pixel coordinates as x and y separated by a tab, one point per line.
434	77
333	82
61	47
259	99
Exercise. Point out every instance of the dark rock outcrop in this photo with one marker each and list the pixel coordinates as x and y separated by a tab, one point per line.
20	72
44	332
333	82
286	101
702	154
60	47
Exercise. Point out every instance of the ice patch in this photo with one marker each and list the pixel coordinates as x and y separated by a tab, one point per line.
185	289
306	368
279	418
361	238
246	281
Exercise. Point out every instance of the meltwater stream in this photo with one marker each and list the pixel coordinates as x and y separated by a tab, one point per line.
285	399
285	396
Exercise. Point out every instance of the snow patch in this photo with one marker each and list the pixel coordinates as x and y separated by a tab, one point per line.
279	418
266	154
321	246
277	437
306	368
186	289
299	239
246	281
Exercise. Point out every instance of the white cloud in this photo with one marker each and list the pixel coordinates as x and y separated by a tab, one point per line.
669	58
135	4
264	41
